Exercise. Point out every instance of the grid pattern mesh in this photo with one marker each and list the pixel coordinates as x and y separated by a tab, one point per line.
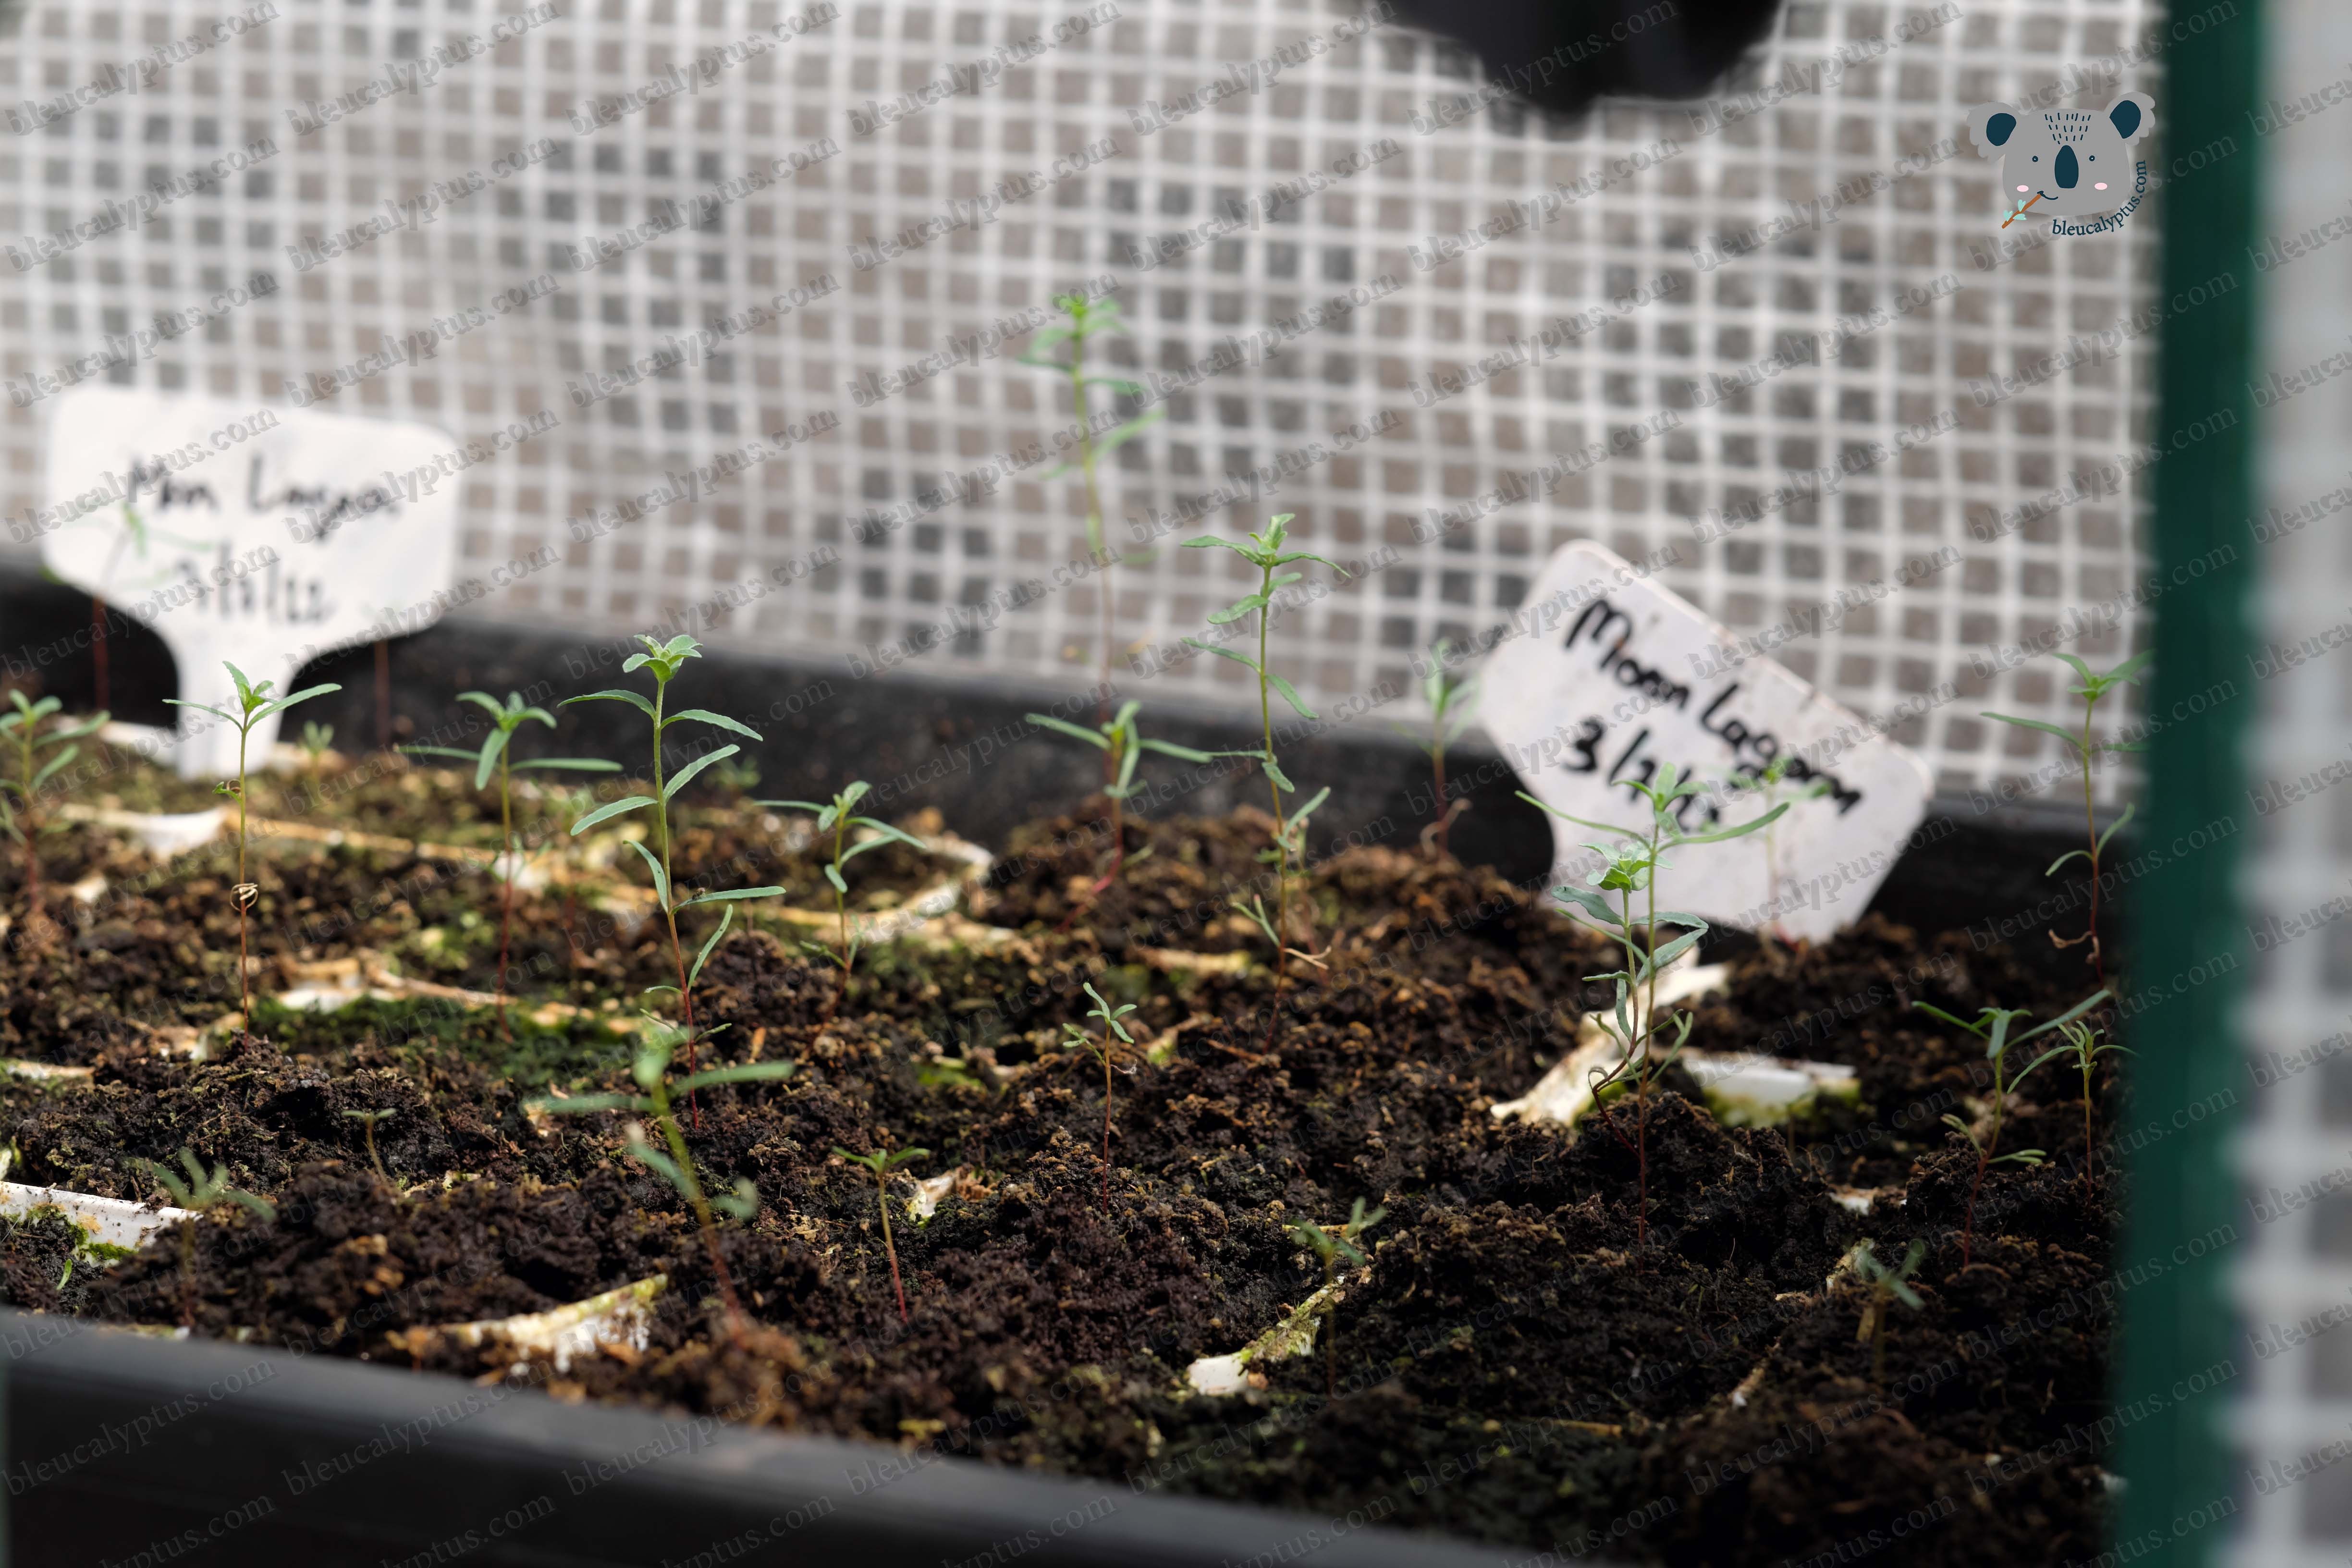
1842	185
2292	1264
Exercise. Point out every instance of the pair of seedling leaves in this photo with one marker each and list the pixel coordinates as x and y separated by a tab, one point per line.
22	731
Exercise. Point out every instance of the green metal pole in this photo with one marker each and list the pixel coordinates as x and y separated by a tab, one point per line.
2183	1209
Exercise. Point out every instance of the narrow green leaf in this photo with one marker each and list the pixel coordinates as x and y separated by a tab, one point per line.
748	1072
1288	695
2118	827
1742	831
2129	668
614	695
1274	772
225	718
604	813
731	895
725	921
582	764
1237	610
1181	754
280	705
832	875
661	879
890	833
1076	733
705	716
436	752
678	780
54	764
581	1104
654	1159
492	745
2066	735
1221	652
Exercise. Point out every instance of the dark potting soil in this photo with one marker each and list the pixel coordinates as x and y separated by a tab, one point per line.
1532	1358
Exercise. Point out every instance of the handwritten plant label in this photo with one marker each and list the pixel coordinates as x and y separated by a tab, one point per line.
1626	676
263	536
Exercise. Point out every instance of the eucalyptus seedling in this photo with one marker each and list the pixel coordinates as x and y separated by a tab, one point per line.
664	660
882	1164
1887	1284
367	1119
657	1100
1773	781
1122	745
496	751
1452	701
2084	1048
836	817
200	1192
1629	868
2086	751
1330	1245
254	704
1084	321
317	741
1992	1025
1104	1048
21	817
1265	551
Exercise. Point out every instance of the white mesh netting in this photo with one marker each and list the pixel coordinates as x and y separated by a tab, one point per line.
1776	321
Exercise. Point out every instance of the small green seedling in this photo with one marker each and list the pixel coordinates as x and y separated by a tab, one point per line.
1105	1047
317	741
1122	745
1992	1025
1085	320
882	1164
2086	751
736	776
2084	1048
665	659
1628	867
1773	781
200	1192
1887	1286
1265	551
498	752
254	704
21	817
1453	702
651	1070
835	817
368	1119
1331	1246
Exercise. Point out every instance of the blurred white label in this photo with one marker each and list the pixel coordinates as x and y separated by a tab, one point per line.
259	535
1612	676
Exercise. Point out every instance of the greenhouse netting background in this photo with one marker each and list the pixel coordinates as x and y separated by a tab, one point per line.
1766	344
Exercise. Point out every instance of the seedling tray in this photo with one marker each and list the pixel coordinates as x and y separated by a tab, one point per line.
1504	1288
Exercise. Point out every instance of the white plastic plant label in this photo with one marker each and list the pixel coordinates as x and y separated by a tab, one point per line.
265	536
1616	676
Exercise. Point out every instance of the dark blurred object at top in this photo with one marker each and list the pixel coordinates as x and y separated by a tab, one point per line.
1560	55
